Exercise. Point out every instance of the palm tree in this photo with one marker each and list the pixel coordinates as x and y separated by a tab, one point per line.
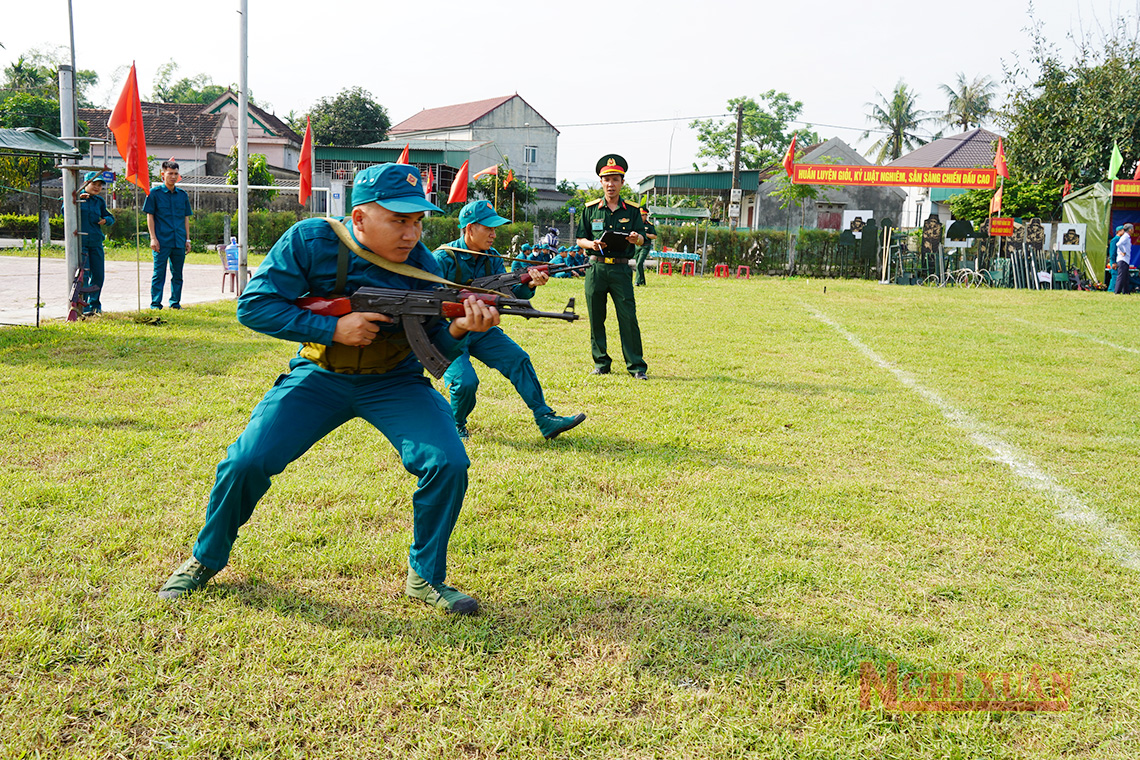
970	103
900	118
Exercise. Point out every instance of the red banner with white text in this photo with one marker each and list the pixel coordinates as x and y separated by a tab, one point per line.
907	176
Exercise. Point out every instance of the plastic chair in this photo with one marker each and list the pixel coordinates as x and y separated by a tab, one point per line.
721	270
743	271
227	273
665	267
689	268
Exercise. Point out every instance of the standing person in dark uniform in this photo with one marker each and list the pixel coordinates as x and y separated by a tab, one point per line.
477	221
610	274
168	212
93	217
357	365
647	248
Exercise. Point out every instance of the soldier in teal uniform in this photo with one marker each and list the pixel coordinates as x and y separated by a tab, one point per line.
93	218
610	274
168	212
647	248
477	222
357	365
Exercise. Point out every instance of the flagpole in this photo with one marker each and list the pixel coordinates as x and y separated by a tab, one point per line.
138	251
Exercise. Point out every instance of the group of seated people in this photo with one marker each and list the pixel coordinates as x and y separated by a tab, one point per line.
560	256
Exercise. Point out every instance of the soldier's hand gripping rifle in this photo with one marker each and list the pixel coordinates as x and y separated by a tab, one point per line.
413	309
507	280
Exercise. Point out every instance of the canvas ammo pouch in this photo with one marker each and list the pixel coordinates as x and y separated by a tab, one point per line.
383	354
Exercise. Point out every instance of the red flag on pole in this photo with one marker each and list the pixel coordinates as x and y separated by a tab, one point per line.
127	125
490	171
1066	189
1136	174
403	159
428	184
995	203
999	161
510	178
305	165
458	192
790	157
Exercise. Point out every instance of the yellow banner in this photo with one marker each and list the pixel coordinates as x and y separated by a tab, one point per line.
1126	187
822	174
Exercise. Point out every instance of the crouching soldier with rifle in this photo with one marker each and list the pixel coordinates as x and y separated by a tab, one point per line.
472	260
356	365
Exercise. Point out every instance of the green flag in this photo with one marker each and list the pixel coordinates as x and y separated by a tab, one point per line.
1116	162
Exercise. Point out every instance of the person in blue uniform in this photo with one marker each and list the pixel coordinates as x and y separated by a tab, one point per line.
93	218
477	222
357	365
168	213
610	275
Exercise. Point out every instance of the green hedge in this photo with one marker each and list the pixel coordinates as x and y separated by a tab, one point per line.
265	227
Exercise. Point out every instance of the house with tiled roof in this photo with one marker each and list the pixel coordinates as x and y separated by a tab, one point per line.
189	132
969	150
514	132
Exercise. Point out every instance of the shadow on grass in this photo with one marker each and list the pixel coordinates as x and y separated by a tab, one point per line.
668	453
683	642
78	421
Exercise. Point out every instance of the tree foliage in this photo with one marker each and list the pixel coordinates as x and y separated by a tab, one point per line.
196	89
971	103
900	119
352	117
36	72
258	174
1020	199
1062	124
764	132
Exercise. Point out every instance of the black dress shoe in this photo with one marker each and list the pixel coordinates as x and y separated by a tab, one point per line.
639	376
600	371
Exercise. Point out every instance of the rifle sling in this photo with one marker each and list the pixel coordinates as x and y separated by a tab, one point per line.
392	266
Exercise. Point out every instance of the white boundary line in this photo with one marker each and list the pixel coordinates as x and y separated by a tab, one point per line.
1076	334
1113	541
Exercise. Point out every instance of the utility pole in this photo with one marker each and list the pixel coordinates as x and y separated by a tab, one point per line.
735	196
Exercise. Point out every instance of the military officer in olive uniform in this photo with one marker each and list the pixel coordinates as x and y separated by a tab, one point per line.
644	251
610	274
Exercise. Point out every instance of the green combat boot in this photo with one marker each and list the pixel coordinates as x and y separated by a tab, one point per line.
439	595
551	425
190	577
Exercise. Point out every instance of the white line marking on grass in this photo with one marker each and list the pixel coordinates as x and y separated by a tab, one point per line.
1113	541
1076	334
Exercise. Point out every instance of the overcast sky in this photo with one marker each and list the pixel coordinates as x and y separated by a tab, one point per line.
641	71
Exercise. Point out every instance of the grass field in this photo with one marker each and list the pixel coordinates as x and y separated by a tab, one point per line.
810	480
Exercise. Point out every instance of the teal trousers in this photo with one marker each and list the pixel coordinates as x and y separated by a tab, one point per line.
495	349
306	405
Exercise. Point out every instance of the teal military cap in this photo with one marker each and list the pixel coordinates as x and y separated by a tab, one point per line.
396	187
480	212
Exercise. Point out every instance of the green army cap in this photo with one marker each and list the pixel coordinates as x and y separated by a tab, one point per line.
611	164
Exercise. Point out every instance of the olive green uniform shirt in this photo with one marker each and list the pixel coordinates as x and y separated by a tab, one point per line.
597	219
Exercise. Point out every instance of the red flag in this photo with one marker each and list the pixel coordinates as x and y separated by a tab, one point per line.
1136	174
790	157
490	171
428	184
510	178
403	159
995	203
127	125
458	192
305	165
1066	189
999	161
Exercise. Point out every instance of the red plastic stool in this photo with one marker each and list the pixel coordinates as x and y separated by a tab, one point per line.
689	267
665	267
721	270
743	271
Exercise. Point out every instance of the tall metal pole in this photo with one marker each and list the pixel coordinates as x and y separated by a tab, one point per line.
734	220
70	202
669	176
243	148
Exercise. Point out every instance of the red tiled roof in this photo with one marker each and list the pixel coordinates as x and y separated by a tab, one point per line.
962	151
163	124
459	115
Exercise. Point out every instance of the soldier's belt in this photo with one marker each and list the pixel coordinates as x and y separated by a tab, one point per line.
614	260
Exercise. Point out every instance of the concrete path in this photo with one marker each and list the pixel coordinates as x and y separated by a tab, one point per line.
123	290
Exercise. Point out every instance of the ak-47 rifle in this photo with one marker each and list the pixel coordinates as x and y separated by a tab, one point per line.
413	308
503	282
